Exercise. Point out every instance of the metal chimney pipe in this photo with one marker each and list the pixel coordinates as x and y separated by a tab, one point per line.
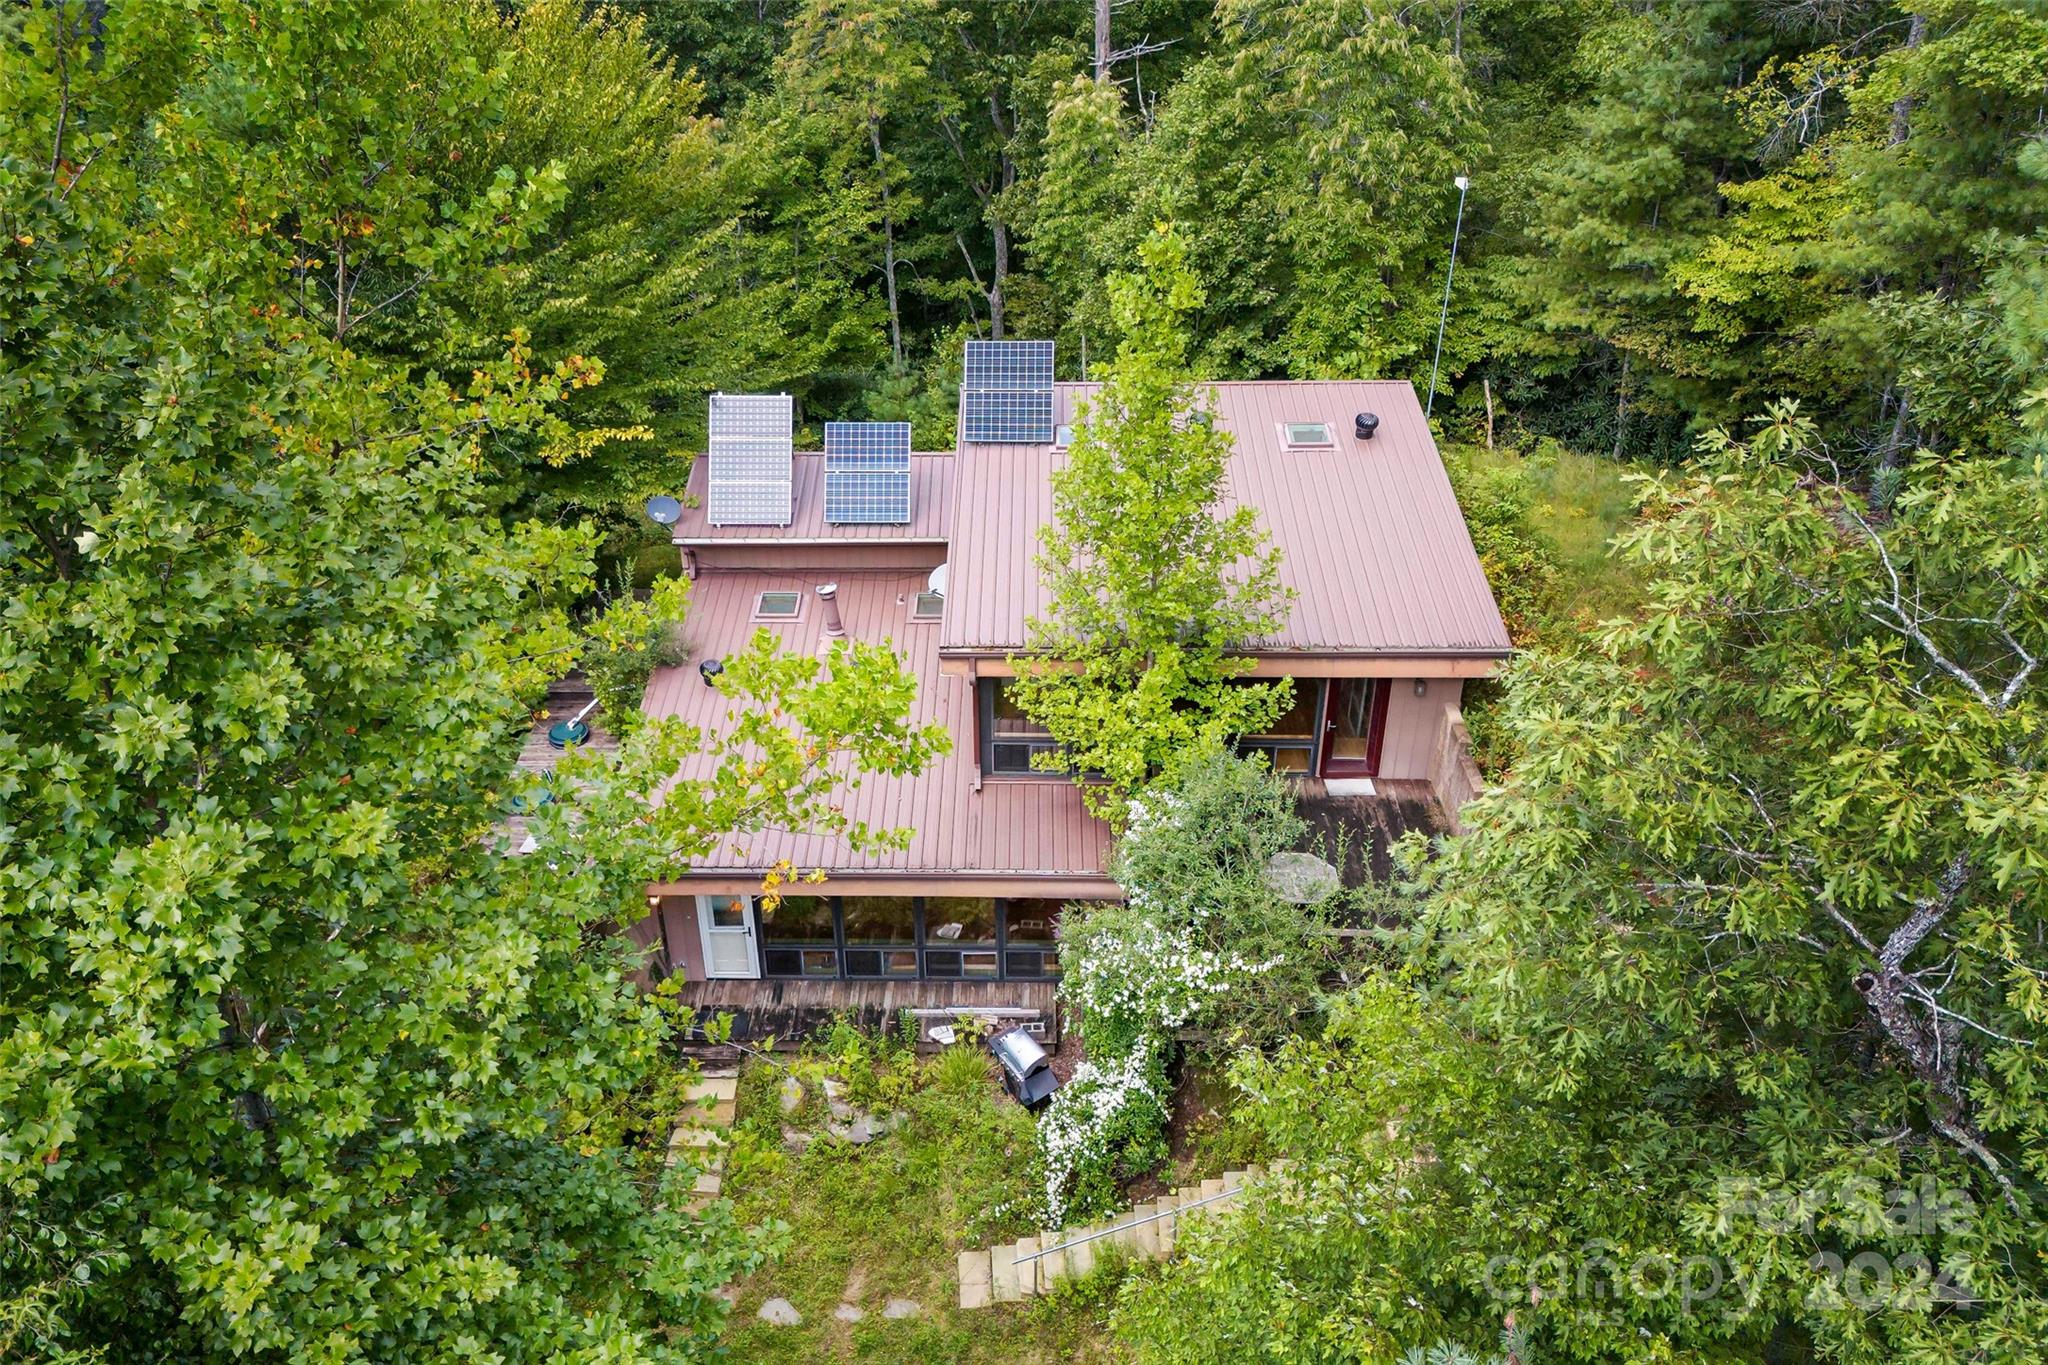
828	598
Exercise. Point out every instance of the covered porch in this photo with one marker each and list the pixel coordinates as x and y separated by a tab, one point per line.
1359	831
788	1010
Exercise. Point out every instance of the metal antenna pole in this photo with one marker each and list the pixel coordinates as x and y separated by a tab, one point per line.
1463	183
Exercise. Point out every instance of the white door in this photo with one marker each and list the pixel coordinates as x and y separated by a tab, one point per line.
726	925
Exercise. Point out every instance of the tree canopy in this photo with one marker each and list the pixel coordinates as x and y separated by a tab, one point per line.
1738	979
294	1062
1153	585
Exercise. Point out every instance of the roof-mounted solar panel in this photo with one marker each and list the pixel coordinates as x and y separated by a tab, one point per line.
750	454
1006	392
867	473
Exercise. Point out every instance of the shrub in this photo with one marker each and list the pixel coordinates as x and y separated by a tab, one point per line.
1520	565
1201	942
958	1070
624	643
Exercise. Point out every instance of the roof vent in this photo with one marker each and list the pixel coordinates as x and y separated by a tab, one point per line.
828	594
1364	425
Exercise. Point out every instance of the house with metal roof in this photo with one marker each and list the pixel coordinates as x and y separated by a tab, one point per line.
935	553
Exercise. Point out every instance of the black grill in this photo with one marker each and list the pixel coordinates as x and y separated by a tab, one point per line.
1027	1071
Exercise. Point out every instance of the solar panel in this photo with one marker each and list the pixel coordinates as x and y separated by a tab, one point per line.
867	472
1006	392
750	456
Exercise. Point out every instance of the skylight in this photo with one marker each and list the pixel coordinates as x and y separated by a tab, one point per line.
781	606
1309	434
928	606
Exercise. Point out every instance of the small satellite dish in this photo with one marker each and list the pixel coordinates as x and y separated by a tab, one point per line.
937	582
664	509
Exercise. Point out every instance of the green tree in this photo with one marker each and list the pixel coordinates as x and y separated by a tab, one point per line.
858	65
1741	971
1308	162
290	1055
1153	585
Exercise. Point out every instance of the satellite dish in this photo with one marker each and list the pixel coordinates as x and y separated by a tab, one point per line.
664	509
937	582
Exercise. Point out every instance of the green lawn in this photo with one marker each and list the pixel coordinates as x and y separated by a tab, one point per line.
1581	502
886	1220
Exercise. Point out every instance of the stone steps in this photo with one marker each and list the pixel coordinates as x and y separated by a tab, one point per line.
1030	1266
700	1133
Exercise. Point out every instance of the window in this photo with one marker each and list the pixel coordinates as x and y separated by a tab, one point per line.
1009	738
928	606
880	919
1289	743
1030	936
907	937
1310	434
959	919
778	606
798	919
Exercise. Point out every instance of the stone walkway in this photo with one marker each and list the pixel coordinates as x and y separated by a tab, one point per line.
703	1127
1032	1265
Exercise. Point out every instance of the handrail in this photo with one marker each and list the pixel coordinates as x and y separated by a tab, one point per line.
1115	1228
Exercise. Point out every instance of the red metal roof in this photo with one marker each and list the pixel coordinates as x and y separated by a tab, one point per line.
1011	827
931	507
1370	535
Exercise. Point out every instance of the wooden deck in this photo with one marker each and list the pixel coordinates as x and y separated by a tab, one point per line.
787	1010
1364	828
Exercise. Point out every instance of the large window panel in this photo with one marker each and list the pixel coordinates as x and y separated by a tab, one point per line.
879	919
799	919
1289	743
1031	921
955	920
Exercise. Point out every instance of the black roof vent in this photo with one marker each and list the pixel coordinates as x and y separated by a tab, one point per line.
1364	425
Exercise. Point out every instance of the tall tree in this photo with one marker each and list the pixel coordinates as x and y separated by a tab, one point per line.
1741	977
1153	584
864	63
293	1064
1308	159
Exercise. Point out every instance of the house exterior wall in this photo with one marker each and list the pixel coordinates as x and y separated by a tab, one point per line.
1415	725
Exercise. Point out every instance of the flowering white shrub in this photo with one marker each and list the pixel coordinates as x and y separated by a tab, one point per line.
1106	1108
1135	973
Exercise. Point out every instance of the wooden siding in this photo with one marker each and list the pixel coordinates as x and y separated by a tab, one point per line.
787	1010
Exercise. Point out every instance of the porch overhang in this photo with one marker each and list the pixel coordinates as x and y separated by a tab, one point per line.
1044	886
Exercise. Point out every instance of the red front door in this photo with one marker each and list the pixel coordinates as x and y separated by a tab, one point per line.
1354	727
